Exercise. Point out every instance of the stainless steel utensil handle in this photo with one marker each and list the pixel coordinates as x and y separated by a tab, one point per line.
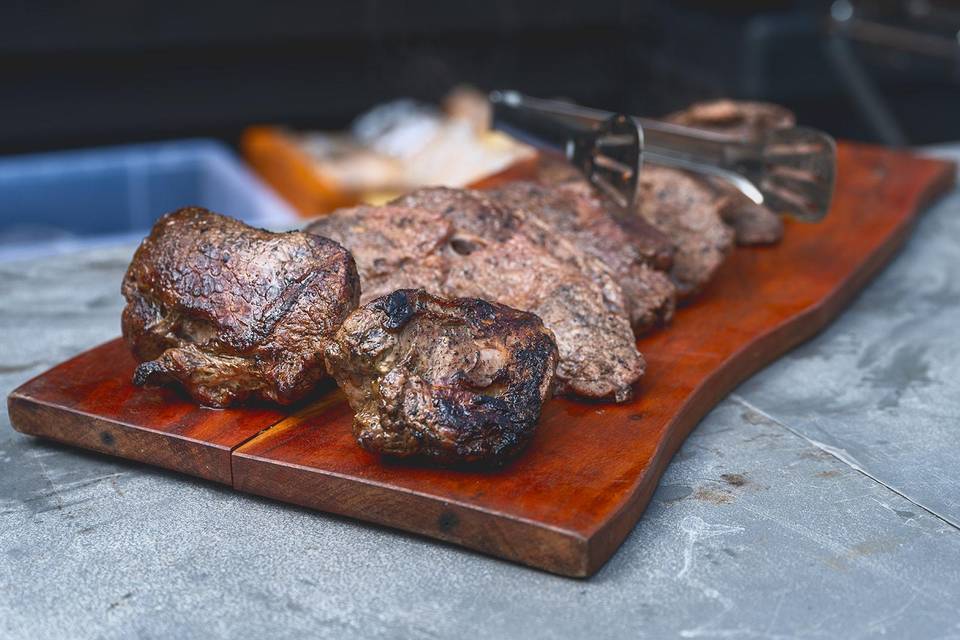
744	186
672	137
664	143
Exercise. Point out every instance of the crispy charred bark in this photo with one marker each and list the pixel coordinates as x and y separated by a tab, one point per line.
455	381
232	312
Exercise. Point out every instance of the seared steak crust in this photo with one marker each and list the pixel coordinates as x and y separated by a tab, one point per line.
687	210
633	250
598	354
395	247
459	380
232	312
504	254
593	211
684	209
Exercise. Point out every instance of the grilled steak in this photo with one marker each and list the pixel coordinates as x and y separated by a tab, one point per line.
631	249
752	223
736	118
394	247
647	243
459	380
478	219
598	356
506	255
232	312
687	210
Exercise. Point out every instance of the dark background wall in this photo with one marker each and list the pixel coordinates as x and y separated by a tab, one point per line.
77	74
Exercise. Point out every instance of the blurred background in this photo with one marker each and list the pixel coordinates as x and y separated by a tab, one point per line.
77	75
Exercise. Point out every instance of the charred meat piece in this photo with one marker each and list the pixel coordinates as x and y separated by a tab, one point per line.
459	380
505	255
232	312
598	355
471	213
478	219
687	210
752	223
632	249
395	247
647	243
682	207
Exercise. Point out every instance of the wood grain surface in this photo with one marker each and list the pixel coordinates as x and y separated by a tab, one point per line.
568	502
89	401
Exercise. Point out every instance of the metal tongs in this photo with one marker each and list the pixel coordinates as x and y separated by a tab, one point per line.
791	171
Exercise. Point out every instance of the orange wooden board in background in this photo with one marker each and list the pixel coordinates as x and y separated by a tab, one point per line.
286	166
568	501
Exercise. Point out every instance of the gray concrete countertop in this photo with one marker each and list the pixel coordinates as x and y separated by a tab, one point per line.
819	500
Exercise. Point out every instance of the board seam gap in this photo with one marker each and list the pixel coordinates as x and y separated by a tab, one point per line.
248	439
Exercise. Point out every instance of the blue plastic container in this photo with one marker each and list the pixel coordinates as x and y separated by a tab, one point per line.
63	201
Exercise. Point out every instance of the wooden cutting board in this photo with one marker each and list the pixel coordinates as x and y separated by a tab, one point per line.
568	502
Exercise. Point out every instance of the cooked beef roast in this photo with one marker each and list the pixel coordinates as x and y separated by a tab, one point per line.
734	117
687	210
598	354
478	219
232	312
509	256
459	380
594	212
504	254
752	223
631	249
394	247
